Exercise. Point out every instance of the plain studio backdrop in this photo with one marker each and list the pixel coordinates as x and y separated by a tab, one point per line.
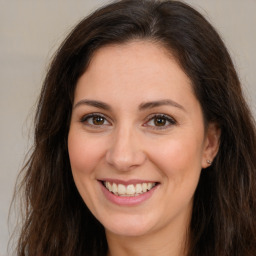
31	31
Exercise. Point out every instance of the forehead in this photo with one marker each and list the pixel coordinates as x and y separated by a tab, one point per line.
144	65
132	54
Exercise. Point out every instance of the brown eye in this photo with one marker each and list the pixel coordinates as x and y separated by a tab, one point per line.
95	120
98	120
160	121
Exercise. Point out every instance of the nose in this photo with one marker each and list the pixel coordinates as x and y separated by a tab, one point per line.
125	152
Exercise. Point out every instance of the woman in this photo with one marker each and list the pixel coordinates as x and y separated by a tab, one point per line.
144	144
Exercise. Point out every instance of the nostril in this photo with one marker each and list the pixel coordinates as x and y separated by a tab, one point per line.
125	160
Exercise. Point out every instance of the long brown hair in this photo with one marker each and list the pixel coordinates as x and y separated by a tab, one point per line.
57	221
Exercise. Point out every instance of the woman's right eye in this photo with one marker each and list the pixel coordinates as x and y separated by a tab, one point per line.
95	120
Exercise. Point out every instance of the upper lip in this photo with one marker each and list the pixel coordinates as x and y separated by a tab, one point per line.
127	182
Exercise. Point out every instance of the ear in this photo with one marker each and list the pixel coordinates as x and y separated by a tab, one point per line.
211	144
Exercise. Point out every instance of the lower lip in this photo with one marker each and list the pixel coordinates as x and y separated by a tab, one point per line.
127	200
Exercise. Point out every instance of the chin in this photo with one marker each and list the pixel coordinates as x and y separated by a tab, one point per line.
130	231
128	227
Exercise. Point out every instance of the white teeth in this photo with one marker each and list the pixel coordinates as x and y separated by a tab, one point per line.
150	185
144	187
138	188
129	190
108	186
114	188
121	189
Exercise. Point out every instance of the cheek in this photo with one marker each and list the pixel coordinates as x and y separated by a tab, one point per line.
177	156
83	155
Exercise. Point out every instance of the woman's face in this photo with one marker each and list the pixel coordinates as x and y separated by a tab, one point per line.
137	141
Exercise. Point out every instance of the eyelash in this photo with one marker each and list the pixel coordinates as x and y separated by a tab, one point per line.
152	118
166	118
85	119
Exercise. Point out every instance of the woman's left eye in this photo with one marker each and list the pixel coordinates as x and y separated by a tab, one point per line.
160	121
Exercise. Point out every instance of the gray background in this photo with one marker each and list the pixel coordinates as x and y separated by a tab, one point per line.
30	32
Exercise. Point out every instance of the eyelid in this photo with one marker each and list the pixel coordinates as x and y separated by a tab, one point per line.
168	118
84	118
171	121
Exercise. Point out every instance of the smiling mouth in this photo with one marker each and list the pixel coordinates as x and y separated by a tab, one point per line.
130	189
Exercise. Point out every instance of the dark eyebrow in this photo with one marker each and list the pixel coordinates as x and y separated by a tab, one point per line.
142	106
93	103
153	104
